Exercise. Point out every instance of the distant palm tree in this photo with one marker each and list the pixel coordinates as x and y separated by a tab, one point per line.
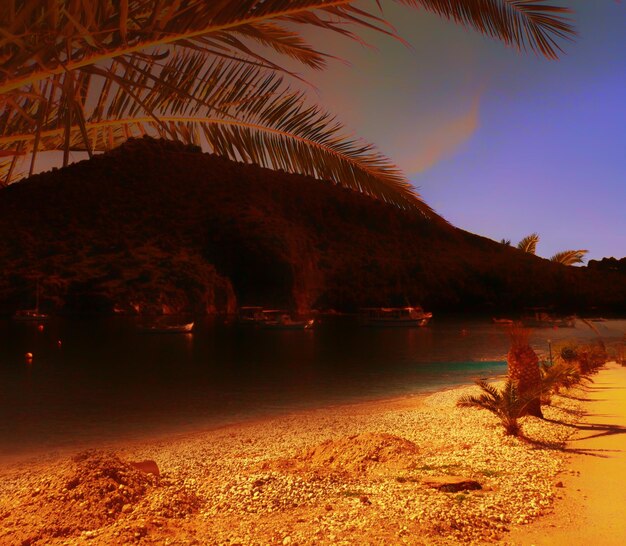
88	75
529	243
569	257
505	403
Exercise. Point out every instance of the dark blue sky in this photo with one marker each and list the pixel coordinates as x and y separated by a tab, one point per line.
500	143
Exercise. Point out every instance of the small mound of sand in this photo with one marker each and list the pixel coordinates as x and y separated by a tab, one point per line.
91	492
100	487
352	455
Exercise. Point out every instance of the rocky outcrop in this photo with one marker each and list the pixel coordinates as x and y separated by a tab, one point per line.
608	264
155	226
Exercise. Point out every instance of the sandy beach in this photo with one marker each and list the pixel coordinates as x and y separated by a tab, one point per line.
592	503
368	473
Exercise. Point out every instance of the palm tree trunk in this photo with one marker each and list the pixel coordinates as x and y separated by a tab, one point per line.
524	372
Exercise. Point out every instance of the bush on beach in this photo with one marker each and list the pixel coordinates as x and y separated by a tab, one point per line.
572	365
505	403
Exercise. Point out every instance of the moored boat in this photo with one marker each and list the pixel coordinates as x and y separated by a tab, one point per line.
251	316
280	320
31	315
394	316
502	320
544	319
162	328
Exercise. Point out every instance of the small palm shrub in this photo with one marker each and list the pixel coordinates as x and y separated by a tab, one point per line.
557	376
505	403
587	357
591	357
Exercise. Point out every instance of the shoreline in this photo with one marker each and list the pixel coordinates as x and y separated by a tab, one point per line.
266	475
201	428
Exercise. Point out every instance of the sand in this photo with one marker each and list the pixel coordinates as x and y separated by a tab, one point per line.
592	509
354	474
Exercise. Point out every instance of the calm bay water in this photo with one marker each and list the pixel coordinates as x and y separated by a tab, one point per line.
107	382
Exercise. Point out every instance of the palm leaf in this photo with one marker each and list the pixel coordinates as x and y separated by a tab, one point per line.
569	257
253	116
525	24
99	30
326	154
529	243
505	403
55	56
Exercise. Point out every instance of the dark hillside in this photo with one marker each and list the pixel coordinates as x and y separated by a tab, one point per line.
156	226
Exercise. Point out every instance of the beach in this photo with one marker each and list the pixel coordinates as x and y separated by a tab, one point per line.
591	505
368	473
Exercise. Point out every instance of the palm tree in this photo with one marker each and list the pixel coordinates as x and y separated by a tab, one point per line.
523	366
88	75
560	375
506	404
569	257
529	243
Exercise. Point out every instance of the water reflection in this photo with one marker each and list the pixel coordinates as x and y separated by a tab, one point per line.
107	381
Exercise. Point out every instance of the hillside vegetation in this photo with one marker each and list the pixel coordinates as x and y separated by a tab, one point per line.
156	226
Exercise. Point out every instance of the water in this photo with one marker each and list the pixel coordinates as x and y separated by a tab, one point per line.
108	382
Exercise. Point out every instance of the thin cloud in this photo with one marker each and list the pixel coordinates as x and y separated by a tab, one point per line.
444	140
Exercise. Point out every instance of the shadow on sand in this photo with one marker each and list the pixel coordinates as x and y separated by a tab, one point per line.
597	430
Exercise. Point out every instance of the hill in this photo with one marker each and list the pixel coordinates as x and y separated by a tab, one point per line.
158	226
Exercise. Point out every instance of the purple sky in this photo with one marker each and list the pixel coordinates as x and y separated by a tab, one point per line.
500	143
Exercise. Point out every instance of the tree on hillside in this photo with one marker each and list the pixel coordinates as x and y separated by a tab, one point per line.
569	257
88	75
529	243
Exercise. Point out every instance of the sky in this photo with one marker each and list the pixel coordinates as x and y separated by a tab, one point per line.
498	142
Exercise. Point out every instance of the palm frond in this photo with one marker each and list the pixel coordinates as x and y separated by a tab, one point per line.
146	61
99	30
325	154
504	403
239	112
529	243
560	375
519	336
569	257
525	24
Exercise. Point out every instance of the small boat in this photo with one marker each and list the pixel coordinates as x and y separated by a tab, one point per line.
280	320
544	319
394	316
502	320
251	316
162	328
31	315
